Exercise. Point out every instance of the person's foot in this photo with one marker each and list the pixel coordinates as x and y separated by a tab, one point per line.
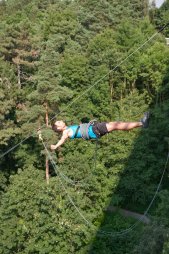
145	119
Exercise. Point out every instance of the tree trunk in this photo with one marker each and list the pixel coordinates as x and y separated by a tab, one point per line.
47	161
145	8
19	75
47	170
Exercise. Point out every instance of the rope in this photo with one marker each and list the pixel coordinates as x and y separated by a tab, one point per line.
65	178
66	191
12	148
79	183
70	181
88	89
95	154
148	208
108	233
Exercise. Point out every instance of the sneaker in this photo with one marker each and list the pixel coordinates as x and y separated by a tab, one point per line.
145	119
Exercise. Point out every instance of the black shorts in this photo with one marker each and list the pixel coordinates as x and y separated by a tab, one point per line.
100	129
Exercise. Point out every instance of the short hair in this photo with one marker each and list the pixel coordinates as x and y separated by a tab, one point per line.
54	128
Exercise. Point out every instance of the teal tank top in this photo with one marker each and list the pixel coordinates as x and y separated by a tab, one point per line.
92	135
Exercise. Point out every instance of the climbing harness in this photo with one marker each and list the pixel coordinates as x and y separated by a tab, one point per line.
84	130
84	127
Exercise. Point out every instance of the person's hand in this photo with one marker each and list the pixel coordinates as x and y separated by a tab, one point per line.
52	147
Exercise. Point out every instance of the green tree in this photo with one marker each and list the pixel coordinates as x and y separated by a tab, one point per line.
161	17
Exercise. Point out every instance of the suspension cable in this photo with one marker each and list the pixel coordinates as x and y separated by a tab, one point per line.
110	233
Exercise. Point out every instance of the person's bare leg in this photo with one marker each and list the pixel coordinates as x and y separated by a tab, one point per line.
122	125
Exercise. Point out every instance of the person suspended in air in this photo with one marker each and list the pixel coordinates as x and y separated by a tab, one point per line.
94	130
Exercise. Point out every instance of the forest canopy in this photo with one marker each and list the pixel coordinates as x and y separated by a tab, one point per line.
74	60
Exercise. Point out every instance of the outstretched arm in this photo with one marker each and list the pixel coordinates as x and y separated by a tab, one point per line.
60	142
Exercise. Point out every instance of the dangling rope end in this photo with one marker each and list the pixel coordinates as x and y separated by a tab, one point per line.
40	135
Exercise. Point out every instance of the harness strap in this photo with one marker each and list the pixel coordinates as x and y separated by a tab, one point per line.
76	132
95	129
84	129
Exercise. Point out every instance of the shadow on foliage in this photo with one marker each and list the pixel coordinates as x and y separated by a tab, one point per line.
139	176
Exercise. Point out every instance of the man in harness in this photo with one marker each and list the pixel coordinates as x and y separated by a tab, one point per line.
93	129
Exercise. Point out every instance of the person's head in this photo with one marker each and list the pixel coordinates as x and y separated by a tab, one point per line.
58	126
